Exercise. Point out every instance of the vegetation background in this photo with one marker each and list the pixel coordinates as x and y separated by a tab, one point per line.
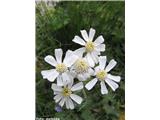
56	25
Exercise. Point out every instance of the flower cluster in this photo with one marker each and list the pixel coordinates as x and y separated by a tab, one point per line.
80	65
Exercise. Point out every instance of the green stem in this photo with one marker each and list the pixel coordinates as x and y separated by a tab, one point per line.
84	93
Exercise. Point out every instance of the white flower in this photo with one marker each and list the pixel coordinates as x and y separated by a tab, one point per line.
81	68
60	70
65	94
93	49
101	73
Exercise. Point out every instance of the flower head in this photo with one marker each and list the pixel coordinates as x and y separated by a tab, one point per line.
92	48
102	74
81	68
65	94
81	65
60	68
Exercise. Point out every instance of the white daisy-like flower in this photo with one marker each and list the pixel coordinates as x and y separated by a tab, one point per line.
60	70
81	68
65	94
102	74
92	48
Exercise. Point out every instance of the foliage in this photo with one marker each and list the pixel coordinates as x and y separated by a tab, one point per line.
56	26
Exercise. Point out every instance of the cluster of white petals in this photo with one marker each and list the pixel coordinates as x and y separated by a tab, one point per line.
80	65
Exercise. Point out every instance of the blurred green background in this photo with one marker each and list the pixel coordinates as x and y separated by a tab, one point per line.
56	25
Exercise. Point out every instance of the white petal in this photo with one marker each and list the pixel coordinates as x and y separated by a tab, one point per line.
102	62
115	78
67	104
57	92
94	57
85	59
72	73
86	75
84	35
99	40
58	54
97	69
70	83
103	88
57	98
70	58
112	84
81	77
59	80
56	88
77	86
91	34
49	74
111	65
79	52
66	78
61	103
76	98
90	60
70	103
79	40
97	52
50	59
91	84
100	47
91	71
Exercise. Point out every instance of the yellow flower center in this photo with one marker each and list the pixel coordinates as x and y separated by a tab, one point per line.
101	75
66	91
61	68
81	66
89	46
